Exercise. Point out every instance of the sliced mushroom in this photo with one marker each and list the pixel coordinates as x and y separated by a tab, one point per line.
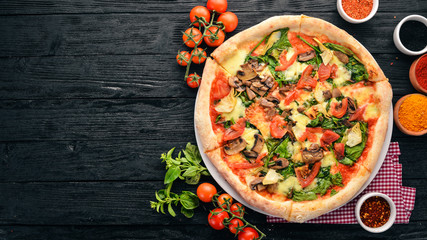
273	100
301	109
351	105
265	103
256	184
285	89
313	154
303	57
269	82
290	132
286	113
251	155
251	94
259	143
235	146
237	84
256	87
272	188
247	73
336	93
280	163
256	65
327	95
270	113
341	56
347	123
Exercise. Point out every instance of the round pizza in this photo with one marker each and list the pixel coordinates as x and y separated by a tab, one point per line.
293	113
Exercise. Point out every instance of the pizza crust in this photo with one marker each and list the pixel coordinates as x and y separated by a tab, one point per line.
318	27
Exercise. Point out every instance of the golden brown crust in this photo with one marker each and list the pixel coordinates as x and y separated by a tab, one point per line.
318	27
202	117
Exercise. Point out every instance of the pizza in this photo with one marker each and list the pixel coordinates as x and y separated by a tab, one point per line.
293	113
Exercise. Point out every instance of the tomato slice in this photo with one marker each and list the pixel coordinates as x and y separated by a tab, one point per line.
306	80
246	164
304	182
334	70
329	137
324	72
338	110
277	127
291	97
236	130
339	150
220	87
298	45
358	114
284	63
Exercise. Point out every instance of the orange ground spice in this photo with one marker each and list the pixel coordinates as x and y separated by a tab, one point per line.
375	212
357	9
413	113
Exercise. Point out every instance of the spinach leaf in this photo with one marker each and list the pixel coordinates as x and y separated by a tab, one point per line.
346	161
322	186
288	171
336	179
245	99
317	121
303	196
324	172
333	192
353	153
282	43
272	144
282	149
315	48
317	60
357	70
340	48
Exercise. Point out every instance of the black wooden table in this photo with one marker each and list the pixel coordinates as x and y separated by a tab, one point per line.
91	95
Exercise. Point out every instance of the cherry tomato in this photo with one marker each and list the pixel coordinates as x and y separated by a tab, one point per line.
193	80
214	37
237	209
284	63
224	198
306	81
235	223
339	150
339	109
277	127
199	11
304	182
217	5
196	36
205	192
248	233
217	221
199	55
324	72
229	20
182	57
235	131
329	137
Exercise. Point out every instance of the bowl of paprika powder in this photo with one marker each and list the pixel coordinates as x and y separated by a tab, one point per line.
375	212
357	11
410	114
418	74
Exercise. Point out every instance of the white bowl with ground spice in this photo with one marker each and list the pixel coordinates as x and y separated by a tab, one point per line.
375	212
357	11
410	114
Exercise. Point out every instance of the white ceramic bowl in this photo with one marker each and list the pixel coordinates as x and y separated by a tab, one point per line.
353	20
392	212
396	35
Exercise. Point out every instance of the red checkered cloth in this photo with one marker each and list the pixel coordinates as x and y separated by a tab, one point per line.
387	181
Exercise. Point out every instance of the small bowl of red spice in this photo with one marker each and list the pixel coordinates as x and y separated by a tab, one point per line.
375	212
418	74
357	11
410	114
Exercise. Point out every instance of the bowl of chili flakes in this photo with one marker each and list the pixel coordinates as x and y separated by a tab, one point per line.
357	11
375	212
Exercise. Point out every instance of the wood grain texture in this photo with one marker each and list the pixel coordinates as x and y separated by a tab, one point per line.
100	34
129	76
114	203
15	7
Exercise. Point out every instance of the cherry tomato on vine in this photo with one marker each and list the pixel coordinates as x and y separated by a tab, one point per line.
182	57
237	209
235	223
217	221
217	5
199	55
248	233
229	20
193	80
199	11
191	36
205	192
214	37
223	198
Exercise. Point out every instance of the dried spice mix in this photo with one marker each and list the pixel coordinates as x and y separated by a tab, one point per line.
375	212
357	9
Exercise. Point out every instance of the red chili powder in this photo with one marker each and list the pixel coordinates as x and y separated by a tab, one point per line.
421	71
357	9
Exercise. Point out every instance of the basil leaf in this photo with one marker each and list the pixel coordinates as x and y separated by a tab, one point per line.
303	196
337	179
189	200
194	179
171	211
190	172
172	174
189	213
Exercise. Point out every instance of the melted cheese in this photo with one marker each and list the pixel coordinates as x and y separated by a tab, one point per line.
232	64
291	183
312	185
237	112
371	111
301	123
295	70
328	160
248	136
343	74
296	156
272	177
